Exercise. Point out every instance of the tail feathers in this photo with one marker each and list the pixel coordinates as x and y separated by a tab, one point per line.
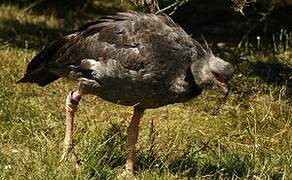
38	70
45	55
41	77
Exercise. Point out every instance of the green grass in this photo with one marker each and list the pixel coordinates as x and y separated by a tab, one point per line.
246	135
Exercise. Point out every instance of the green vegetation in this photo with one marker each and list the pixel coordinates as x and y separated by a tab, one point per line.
245	135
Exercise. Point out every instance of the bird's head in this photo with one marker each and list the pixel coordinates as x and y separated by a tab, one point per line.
210	71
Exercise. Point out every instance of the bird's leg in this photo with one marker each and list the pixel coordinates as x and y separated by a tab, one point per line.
133	131
72	101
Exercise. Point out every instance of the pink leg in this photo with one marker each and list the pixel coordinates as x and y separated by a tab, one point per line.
133	131
71	106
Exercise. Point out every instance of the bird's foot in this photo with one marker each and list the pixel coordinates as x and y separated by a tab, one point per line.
67	152
70	155
129	169
126	173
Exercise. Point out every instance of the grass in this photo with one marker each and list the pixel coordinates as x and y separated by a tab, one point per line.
246	135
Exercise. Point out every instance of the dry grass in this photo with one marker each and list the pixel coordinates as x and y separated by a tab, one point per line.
246	135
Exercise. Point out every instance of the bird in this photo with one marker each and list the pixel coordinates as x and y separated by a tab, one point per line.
129	58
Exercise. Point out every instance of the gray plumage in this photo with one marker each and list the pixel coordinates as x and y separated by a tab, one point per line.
131	59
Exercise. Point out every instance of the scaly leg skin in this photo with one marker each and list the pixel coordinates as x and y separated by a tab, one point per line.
133	131
72	101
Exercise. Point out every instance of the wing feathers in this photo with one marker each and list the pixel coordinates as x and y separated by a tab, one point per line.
136	41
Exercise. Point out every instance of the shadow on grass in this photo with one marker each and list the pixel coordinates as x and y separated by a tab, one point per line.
27	35
274	73
222	24
62	9
253	73
71	14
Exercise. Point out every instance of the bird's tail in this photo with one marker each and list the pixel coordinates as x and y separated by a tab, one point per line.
41	77
37	70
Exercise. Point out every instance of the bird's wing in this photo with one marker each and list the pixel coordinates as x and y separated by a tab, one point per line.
137	42
134	40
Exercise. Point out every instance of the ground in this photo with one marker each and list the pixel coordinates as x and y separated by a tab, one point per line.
246	134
